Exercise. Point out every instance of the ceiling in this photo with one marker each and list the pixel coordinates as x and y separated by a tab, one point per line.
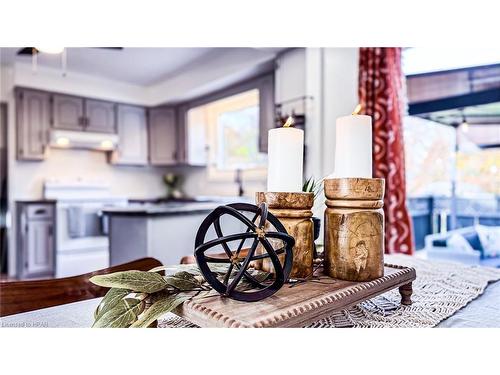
486	114
140	66
455	97
483	122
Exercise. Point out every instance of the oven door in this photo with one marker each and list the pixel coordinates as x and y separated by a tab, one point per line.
80	227
81	244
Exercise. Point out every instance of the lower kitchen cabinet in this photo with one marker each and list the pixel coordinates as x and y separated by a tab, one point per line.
167	237
133	136
35	239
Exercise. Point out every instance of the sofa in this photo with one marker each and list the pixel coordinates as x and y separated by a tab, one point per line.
476	245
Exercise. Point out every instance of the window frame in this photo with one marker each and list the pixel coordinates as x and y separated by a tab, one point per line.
265	83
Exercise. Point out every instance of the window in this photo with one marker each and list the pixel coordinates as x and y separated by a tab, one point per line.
224	134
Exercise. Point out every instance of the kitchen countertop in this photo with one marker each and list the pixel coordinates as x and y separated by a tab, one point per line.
173	207
37	201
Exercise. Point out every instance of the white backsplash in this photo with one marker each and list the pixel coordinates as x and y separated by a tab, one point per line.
136	182
197	183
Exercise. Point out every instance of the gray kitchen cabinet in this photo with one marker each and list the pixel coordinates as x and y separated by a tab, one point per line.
133	136
67	112
162	136
36	244
266	110
80	114
33	118
100	116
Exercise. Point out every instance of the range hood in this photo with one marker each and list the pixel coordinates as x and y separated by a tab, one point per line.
83	140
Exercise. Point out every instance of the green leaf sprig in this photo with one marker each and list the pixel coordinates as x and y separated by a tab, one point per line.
313	186
138	298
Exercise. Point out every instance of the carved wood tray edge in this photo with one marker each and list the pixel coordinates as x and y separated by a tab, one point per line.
299	315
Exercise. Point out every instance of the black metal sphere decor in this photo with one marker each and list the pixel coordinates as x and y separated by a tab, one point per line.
264	229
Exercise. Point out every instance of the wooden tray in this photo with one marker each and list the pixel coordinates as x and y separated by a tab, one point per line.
296	306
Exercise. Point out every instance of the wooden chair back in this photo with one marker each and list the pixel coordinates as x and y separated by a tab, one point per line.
21	296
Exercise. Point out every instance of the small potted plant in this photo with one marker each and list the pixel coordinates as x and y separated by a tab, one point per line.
173	182
316	187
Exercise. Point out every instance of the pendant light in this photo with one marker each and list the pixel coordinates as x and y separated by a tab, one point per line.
49	50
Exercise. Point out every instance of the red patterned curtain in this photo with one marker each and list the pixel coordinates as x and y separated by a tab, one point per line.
381	96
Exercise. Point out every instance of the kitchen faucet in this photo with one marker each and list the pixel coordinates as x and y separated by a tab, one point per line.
238	179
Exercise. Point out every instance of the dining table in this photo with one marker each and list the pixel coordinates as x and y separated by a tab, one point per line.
483	312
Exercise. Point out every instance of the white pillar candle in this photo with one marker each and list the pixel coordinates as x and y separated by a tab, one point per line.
353	147
285	160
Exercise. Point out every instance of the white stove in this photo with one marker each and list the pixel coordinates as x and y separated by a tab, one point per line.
82	243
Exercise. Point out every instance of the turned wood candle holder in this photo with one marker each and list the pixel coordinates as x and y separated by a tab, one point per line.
294	212
354	228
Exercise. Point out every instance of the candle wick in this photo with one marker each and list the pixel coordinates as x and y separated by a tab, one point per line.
289	122
356	110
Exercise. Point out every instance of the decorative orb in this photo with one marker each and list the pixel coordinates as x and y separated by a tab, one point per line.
229	271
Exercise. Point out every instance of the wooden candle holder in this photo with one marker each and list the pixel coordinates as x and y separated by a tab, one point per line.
354	228
294	212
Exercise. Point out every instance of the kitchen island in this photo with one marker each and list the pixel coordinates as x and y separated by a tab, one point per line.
164	231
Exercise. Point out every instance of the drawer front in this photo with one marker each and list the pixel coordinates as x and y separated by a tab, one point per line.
78	263
39	211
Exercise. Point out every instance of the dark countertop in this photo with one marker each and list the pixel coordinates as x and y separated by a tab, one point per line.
37	201
161	209
172	207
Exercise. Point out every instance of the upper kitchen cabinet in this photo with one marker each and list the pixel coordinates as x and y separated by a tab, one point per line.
162	136
79	114
32	124
133	136
266	109
100	116
67	112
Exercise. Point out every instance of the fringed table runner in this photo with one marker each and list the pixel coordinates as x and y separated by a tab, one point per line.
441	289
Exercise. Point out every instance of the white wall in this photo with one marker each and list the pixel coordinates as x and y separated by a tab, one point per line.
197	183
128	181
290	80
